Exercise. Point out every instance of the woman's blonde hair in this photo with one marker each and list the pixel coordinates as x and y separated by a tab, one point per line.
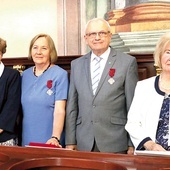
2	46
53	52
160	49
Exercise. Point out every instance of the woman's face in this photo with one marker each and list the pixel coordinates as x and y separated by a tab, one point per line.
40	51
165	59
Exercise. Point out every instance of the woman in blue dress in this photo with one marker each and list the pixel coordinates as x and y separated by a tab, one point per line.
44	94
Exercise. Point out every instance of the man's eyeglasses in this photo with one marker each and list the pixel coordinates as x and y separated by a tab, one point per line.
101	34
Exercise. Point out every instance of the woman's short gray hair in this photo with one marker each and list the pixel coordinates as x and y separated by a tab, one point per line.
53	51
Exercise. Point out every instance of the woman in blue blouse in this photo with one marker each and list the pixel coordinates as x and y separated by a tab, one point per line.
44	94
148	118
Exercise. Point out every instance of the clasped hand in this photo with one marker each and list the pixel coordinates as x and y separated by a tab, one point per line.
152	146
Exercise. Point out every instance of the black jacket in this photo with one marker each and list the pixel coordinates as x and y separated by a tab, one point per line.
10	102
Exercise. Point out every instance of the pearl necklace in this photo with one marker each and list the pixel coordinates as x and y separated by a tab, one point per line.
163	85
43	71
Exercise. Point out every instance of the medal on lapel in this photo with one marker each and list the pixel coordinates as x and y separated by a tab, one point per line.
111	74
49	85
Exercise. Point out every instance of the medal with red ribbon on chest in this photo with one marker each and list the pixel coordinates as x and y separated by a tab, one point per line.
49	85
111	74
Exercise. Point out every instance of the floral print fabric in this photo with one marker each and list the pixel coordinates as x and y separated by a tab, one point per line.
163	124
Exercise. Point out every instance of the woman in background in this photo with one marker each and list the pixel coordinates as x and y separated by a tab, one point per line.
44	94
148	117
10	90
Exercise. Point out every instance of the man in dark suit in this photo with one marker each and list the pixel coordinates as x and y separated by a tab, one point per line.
95	120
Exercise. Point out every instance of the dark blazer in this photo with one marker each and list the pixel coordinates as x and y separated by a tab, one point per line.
104	115
10	90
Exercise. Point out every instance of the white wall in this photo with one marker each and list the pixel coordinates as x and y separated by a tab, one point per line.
63	20
21	20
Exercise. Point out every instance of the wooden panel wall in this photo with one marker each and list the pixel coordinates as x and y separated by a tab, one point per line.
146	67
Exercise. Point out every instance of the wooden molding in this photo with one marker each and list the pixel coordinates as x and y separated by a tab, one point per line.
62	60
145	62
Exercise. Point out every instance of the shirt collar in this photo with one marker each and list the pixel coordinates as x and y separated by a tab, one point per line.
104	56
1	68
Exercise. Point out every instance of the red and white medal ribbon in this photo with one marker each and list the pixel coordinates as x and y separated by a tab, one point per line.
49	85
111	74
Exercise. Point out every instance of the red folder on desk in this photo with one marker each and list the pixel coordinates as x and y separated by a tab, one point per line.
36	144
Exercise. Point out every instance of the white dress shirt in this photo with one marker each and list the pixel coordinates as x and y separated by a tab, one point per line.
103	61
1	68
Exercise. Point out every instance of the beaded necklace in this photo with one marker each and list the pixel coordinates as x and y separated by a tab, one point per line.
34	71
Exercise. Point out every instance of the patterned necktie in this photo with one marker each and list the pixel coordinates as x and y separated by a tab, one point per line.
96	74
163	124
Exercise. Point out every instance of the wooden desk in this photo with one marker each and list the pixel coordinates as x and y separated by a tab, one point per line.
133	162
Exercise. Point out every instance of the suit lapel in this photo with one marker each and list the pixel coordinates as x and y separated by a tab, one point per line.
109	64
87	71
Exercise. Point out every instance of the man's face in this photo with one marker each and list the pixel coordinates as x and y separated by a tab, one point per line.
98	37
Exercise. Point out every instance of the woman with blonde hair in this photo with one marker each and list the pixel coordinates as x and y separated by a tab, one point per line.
148	117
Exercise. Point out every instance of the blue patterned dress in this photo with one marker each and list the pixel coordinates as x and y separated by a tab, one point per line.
163	124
